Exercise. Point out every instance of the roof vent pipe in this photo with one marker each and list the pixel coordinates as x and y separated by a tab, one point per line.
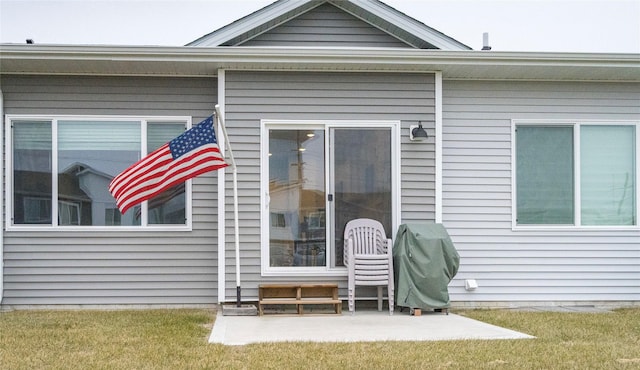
485	41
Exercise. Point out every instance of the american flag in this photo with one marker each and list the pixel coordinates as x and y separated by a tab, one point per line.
191	154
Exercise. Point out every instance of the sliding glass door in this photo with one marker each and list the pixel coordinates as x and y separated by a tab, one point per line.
360	180
297	198
319	178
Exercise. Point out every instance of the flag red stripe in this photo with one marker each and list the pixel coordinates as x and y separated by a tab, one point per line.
157	157
151	192
194	164
153	186
158	187
159	175
153	170
152	157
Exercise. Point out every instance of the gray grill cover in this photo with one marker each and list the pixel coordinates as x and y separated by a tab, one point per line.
424	262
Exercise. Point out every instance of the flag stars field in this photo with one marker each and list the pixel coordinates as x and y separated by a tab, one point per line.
198	136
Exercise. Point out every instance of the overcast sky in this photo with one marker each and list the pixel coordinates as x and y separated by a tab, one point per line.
610	26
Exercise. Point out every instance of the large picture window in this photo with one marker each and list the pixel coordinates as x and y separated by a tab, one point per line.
61	168
581	174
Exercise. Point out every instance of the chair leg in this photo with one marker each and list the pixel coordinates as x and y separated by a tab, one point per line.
351	298
391	292
351	293
380	298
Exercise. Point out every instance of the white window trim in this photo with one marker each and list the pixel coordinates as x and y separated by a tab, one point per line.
9	226
576	124
265	125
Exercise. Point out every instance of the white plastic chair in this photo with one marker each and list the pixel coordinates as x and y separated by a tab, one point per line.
369	259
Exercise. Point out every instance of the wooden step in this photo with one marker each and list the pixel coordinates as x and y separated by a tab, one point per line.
299	295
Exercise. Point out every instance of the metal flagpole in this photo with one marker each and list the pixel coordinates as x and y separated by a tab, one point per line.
220	120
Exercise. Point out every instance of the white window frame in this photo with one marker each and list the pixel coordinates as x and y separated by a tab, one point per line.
265	217
576	124
10	226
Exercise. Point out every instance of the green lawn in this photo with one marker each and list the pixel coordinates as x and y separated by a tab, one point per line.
177	339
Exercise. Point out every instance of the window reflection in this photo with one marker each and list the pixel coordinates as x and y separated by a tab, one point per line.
32	176
297	198
90	153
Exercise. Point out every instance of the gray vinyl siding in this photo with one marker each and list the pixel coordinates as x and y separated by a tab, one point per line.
325	25
252	96
555	266
114	268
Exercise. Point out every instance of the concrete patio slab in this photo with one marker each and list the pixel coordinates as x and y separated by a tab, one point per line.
363	326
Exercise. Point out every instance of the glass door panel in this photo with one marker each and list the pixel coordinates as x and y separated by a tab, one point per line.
361	180
297	198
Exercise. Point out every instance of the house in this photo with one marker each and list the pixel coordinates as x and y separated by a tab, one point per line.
531	161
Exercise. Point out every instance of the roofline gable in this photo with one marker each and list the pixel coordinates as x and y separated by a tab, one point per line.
379	15
254	20
404	23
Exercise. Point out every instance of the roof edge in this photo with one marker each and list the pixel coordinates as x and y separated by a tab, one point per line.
414	26
12	49
247	23
205	61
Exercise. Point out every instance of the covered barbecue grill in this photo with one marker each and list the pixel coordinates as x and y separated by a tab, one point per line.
424	262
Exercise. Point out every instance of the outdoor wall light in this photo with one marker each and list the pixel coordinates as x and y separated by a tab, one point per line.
417	132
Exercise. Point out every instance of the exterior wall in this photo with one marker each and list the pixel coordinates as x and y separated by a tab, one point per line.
113	268
567	265
252	96
326	25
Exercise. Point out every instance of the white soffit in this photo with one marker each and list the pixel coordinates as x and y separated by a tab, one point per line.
187	61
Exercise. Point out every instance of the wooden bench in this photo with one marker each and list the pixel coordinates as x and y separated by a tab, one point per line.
298	295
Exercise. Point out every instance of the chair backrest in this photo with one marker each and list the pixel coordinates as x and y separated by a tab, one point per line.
368	236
